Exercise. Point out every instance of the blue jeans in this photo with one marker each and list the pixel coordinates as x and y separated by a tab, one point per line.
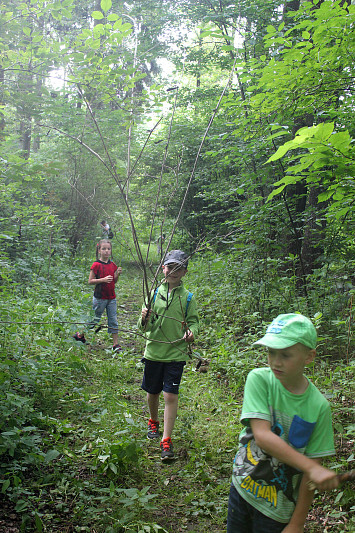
244	518
99	307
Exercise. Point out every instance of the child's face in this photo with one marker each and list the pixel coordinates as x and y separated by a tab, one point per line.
288	364
173	274
105	251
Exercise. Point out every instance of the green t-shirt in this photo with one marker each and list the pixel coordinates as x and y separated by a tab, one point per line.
166	326
301	420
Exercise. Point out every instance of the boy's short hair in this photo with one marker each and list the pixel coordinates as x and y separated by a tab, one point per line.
176	257
287	330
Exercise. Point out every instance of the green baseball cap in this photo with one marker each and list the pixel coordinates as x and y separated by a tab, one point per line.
287	330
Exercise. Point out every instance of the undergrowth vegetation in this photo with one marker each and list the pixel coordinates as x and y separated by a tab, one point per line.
73	450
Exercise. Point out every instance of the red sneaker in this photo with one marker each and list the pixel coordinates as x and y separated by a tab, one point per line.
79	337
153	429
166	447
117	348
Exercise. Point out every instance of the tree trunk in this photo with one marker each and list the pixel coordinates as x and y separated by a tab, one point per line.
25	137
2	103
314	231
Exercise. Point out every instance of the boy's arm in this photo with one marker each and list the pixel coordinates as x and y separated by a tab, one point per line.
274	446
304	501
193	322
299	516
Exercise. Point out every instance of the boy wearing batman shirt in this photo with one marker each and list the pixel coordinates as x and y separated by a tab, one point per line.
288	429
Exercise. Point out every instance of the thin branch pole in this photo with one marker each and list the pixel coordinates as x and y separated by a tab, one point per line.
193	172
112	171
200	148
49	255
161	175
121	243
142	150
132	96
349	329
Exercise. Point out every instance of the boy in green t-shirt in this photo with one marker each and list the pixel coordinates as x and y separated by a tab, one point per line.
287	431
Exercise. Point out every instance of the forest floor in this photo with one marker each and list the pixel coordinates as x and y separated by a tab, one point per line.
105	400
192	492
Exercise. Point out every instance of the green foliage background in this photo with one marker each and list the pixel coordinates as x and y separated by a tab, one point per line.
106	113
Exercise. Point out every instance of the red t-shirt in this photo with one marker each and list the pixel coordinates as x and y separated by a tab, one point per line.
101	270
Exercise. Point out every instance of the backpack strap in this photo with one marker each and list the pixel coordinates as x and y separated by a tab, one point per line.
155	294
189	296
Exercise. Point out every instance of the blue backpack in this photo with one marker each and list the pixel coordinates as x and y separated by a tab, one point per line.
189	296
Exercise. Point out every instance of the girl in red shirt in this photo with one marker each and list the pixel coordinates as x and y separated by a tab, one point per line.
104	274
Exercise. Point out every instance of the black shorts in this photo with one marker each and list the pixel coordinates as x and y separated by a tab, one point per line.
159	376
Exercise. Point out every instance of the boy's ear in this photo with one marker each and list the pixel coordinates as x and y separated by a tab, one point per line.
310	356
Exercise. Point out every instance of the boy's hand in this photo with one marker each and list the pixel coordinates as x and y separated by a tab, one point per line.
189	336
146	314
323	478
107	279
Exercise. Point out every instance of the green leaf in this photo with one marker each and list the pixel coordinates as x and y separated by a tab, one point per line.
324	196
112	17
206	33
26	30
39	523
324	130
106	5
51	455
278	134
113	467
97	15
342	212
275	192
280	152
5	486
287	180
21	505
99	30
43	342
339	195
340	140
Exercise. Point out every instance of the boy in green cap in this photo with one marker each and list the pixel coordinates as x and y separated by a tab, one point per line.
287	431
